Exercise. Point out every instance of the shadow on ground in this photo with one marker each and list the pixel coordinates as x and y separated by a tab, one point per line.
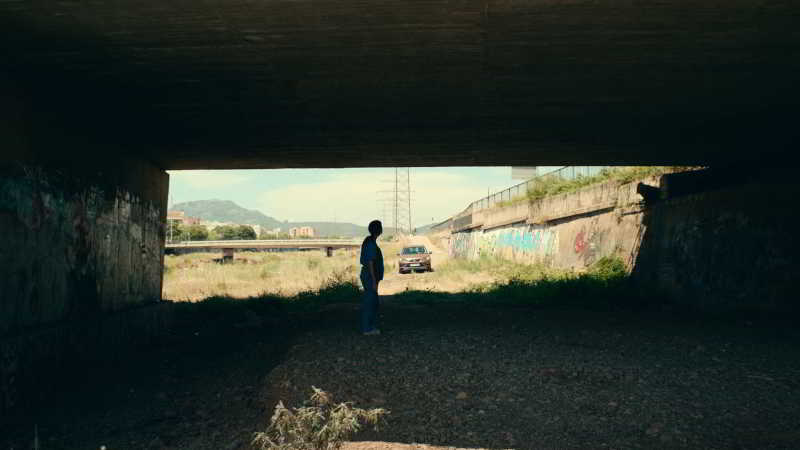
480	369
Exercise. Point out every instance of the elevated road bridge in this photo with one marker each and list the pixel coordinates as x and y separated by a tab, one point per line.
230	247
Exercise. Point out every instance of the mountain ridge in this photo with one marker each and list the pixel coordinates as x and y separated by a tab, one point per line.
217	210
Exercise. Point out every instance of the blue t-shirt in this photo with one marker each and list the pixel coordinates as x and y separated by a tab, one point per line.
371	252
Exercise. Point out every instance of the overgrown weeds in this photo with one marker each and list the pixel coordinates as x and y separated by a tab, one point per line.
194	277
546	187
606	284
320	425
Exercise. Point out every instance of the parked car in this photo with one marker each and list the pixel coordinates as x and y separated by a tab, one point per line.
415	258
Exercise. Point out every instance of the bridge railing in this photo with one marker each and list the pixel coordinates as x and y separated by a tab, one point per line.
259	242
521	189
464	218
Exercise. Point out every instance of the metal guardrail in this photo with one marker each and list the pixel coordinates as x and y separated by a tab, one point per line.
521	189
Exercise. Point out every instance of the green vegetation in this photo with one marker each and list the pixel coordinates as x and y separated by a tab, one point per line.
322	425
174	230
546	187
225	211
179	232
233	232
604	285
196	232
554	186
269	236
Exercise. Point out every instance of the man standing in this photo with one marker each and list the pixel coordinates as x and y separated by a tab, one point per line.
371	275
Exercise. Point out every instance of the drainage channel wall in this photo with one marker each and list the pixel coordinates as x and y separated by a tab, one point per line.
706	240
568	231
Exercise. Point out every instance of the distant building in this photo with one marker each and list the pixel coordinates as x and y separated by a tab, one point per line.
191	220
301	232
176	215
181	218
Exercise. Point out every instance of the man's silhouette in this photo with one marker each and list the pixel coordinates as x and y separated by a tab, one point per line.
371	275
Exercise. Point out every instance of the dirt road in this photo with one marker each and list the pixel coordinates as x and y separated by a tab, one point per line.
395	282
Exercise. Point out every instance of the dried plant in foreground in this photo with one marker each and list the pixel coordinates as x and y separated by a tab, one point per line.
320	426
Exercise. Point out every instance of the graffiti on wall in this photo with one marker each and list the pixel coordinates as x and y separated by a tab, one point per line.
526	242
588	241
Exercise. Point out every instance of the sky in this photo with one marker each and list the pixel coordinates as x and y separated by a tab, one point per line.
342	195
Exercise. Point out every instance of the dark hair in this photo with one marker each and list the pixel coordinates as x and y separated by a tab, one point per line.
375	227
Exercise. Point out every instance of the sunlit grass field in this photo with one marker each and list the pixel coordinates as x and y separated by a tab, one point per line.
198	276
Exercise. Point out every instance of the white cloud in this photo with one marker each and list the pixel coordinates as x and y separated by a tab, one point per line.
353	197
208	179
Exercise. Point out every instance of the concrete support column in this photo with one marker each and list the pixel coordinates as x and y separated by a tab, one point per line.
329	251
227	254
81	249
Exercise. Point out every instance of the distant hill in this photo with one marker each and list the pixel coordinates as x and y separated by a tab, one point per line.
228	211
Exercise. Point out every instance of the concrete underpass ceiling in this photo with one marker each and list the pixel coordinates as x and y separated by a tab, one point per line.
300	83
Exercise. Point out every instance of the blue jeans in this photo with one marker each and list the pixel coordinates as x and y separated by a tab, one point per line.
369	304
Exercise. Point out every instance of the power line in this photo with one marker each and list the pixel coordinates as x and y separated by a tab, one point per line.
398	198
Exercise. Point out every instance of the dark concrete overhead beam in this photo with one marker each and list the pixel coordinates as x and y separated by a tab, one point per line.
413	82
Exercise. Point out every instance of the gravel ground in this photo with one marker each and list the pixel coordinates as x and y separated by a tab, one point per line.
549	379
454	376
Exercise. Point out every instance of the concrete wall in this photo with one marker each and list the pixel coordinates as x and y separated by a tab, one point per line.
707	240
569	231
78	243
81	250
730	247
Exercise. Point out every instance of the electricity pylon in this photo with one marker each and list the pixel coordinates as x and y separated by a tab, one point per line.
398	199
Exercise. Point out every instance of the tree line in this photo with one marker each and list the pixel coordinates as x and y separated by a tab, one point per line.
179	232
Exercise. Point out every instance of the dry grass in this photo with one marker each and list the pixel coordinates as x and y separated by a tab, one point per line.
320	425
197	276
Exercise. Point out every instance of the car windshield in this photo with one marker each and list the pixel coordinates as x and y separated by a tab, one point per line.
413	250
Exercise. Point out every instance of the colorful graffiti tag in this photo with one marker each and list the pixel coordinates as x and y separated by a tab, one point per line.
587	242
527	242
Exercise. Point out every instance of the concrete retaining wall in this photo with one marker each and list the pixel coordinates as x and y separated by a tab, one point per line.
81	253
569	231
78	243
707	239
81	249
731	247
